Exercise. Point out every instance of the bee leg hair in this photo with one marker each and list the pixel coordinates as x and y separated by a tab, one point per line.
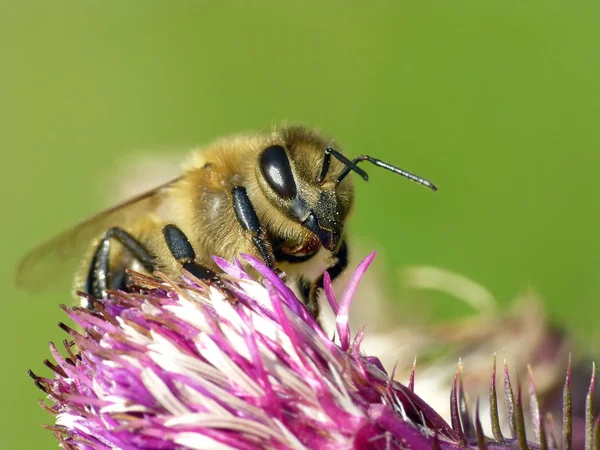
99	277
182	250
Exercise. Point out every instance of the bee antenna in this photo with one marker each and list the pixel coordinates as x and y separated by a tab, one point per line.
384	165
350	165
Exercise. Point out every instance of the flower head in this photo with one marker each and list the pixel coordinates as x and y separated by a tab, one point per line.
178	365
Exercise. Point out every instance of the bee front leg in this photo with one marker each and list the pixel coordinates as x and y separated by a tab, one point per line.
99	276
310	291
246	215
181	249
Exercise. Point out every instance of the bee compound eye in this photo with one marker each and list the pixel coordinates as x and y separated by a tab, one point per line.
275	167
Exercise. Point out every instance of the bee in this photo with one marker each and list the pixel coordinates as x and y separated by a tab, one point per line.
282	196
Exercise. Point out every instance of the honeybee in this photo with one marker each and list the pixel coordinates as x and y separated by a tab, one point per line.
282	196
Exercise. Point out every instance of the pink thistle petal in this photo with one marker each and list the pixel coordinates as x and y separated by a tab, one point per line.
233	270
342	315
330	294
286	293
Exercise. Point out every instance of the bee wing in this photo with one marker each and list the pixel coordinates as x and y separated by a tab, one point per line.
47	264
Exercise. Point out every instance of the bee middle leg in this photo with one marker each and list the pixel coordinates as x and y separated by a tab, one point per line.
181	249
309	291
99	278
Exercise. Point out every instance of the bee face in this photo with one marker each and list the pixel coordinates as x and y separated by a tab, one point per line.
303	198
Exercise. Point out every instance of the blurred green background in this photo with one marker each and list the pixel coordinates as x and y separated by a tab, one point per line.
497	102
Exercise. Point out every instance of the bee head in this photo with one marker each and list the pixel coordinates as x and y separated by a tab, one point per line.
307	179
316	207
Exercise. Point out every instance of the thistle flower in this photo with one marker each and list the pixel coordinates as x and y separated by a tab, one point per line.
177	365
